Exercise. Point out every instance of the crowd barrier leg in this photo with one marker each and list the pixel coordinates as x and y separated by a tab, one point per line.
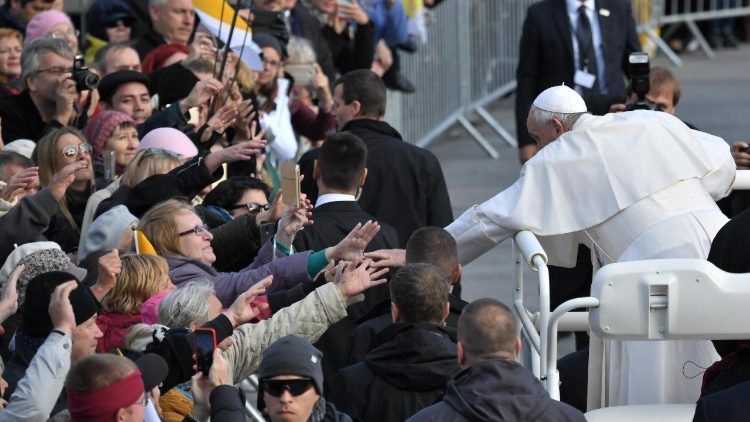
700	38
478	137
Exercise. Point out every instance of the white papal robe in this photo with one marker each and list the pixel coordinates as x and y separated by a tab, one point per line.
632	186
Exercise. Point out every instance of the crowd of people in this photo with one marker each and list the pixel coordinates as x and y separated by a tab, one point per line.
151	262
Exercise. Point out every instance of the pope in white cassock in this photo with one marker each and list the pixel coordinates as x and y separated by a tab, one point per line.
632	186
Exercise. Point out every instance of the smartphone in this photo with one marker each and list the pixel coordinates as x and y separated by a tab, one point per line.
290	184
345	1
303	74
204	343
109	165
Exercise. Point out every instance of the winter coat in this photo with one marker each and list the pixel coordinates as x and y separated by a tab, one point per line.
405	373
497	390
115	327
287	272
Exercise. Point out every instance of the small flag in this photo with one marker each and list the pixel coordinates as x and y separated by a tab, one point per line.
142	244
211	16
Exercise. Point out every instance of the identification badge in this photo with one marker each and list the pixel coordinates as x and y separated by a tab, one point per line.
584	79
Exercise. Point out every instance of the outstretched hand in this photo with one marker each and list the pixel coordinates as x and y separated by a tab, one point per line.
387	257
240	311
353	278
352	247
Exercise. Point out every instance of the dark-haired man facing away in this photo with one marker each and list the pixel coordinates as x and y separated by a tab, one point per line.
339	172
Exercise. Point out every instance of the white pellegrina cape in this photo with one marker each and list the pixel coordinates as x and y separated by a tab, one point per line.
632	186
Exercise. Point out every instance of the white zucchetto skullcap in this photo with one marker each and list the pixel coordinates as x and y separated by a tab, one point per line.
560	99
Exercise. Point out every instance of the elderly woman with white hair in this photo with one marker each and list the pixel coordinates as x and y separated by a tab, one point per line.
194	304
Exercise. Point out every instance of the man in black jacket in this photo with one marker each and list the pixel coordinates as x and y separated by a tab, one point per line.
405	185
340	171
49	100
414	358
429	245
492	385
172	22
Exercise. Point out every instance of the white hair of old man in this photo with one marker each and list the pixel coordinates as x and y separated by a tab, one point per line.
543	117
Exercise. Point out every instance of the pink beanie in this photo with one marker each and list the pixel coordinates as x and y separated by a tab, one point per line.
169	139
41	24
150	308
101	126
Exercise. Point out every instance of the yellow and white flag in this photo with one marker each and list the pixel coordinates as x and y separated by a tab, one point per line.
211	16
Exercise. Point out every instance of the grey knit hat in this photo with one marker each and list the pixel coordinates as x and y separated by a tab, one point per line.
291	355
41	261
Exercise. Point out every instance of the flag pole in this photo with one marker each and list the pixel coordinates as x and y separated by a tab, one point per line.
212	104
216	51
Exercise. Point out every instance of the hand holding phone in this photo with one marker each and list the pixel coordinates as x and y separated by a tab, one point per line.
204	343
290	180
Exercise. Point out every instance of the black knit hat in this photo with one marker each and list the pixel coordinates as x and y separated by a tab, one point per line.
291	355
36	321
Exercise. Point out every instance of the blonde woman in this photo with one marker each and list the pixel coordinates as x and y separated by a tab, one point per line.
54	151
142	277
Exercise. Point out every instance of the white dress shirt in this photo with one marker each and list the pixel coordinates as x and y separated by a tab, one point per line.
596	35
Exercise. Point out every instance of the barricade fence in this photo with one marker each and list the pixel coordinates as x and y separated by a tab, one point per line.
471	56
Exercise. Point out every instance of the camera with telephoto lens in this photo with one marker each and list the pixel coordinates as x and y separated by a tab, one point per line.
639	81
85	79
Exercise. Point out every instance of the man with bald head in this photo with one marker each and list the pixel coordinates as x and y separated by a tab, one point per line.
492	385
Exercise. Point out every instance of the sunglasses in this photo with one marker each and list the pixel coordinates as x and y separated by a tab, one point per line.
295	387
197	230
72	151
253	207
123	22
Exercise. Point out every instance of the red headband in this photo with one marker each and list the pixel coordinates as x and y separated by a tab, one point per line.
103	403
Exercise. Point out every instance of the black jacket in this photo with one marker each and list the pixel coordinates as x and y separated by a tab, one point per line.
227	404
307	26
332	222
405	373
730	405
546	53
184	181
60	230
497	390
364	336
147	42
405	186
21	119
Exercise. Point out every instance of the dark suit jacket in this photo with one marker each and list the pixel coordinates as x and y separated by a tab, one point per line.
546	54
332	222
405	186
730	405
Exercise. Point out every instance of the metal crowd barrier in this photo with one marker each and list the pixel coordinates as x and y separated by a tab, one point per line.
659	13
468	62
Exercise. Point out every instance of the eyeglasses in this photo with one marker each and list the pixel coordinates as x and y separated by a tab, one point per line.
253	207
295	387
63	33
56	70
199	229
72	151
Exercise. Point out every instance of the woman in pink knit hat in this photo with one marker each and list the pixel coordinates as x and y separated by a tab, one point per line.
111	131
51	23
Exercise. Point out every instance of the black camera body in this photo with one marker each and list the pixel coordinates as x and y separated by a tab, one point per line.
639	81
85	79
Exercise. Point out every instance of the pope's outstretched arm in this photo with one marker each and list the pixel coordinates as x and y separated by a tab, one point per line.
476	233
